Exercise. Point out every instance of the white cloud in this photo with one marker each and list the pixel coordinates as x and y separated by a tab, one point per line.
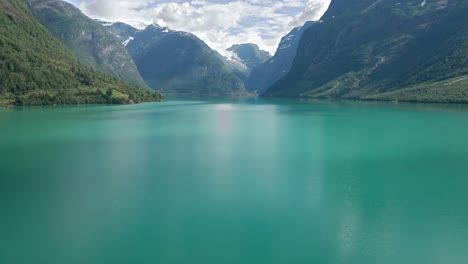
219	23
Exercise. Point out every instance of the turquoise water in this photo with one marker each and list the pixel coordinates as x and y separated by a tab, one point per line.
249	181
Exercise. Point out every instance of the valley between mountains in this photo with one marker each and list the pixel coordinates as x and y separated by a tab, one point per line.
53	54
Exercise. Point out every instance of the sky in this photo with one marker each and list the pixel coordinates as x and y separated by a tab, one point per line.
220	23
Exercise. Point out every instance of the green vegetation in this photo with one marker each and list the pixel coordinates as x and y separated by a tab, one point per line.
453	90
82	95
87	39
113	94
7	100
36	69
382	50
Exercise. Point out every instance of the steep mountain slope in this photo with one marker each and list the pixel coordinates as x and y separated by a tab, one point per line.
250	54
386	49
266	74
180	63
125	33
35	68
244	58
87	39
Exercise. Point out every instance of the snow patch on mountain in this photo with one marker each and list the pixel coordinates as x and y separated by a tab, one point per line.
125	43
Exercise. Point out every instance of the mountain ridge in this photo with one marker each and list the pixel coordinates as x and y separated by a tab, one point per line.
266	74
176	62
243	58
349	55
87	39
36	69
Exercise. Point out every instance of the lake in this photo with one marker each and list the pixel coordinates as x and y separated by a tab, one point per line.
234	181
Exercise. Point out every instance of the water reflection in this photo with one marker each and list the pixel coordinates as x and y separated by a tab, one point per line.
224	112
234	183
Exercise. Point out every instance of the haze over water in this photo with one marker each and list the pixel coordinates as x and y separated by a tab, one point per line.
226	181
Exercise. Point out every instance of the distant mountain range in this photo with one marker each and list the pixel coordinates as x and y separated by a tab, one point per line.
250	54
383	50
402	50
36	69
175	62
243	59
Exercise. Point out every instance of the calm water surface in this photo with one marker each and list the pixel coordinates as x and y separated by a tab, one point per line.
234	182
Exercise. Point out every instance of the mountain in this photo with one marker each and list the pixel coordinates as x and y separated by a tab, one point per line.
266	74
125	33
180	63
244	58
250	54
36	69
87	39
383	50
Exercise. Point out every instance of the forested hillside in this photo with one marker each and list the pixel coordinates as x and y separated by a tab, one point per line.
385	50
36	69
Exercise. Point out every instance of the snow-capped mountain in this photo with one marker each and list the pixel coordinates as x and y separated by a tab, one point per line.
177	62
